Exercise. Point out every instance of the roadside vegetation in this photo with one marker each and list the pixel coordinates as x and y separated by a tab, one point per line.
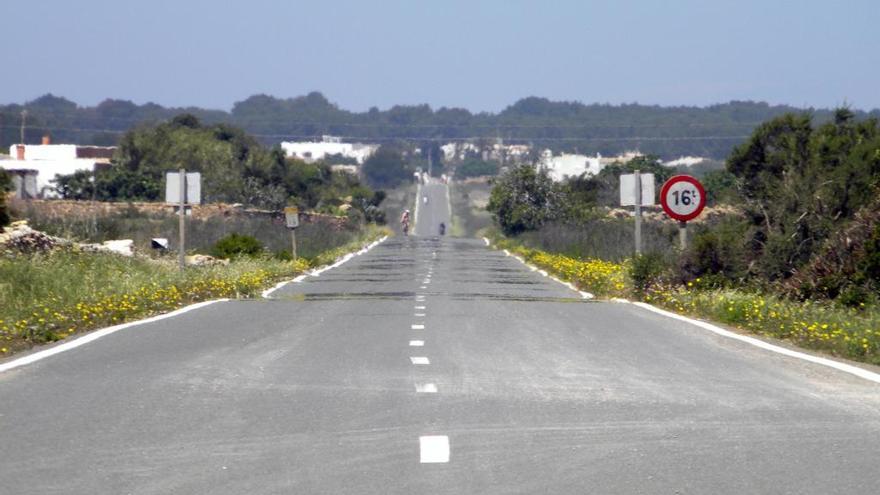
48	296
791	248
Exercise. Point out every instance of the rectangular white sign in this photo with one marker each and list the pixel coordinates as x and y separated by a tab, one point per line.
628	189
193	188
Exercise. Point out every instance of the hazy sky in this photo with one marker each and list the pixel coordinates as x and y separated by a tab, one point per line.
481	55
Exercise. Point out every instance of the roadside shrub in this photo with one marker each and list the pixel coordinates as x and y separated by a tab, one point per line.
236	245
646	271
5	184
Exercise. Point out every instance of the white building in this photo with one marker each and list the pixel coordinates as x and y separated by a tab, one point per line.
329	145
36	165
565	165
688	161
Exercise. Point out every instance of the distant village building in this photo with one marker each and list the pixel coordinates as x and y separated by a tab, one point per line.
567	165
329	145
33	167
687	161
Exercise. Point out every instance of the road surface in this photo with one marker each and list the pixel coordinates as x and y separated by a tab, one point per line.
437	350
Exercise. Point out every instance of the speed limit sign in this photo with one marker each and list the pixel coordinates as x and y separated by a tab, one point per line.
683	197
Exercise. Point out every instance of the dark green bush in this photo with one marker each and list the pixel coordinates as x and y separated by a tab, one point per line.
646	271
235	245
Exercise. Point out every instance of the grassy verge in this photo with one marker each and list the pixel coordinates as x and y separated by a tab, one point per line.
48	297
852	333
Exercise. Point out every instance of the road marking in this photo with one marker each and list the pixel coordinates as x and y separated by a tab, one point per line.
426	388
433	449
846	368
423	287
419	314
418	327
319	271
97	334
416	343
419	360
583	294
426	281
420	307
420	298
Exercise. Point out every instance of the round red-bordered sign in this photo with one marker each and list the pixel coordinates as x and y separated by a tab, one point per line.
683	197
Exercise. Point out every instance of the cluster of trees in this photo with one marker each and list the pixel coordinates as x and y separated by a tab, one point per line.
808	198
668	132
235	168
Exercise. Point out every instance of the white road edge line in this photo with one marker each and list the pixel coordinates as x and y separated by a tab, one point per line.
419	360
846	368
318	271
426	388
97	334
416	212
433	449
583	294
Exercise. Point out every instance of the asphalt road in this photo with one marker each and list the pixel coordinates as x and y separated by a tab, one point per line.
535	390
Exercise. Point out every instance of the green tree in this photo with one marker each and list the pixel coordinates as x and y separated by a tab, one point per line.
524	199
386	167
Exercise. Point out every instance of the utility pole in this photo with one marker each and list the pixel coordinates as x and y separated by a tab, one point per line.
23	121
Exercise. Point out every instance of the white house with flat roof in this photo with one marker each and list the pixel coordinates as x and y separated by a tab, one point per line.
329	145
36	165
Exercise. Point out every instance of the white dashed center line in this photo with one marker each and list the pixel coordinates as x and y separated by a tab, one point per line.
416	343
420	314
418	327
426	388
419	360
420	307
433	449
420	298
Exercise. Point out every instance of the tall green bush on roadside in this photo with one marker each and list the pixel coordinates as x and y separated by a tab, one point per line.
524	199
5	185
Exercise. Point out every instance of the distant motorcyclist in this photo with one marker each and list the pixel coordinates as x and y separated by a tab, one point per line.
442	228
404	222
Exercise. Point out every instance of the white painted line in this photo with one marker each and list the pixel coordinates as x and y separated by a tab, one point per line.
426	388
419	314
423	287
585	295
416	343
426	281
97	334
418	200
418	327
419	360
420	307
420	298
846	368
433	449
319	271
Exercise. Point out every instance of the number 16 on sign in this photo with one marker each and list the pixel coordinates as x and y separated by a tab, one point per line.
683	198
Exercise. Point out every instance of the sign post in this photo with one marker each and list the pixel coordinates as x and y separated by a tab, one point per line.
183	190
683	198
637	190
291	217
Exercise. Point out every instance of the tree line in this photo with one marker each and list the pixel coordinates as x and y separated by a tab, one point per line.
668	132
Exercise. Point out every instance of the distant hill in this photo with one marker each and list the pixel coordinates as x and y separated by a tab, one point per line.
559	125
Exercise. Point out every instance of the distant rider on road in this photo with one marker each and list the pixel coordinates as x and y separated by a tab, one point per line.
404	222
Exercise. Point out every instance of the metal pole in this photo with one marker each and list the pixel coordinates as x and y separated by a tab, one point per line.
638	195
683	234
181	255
293	243
23	121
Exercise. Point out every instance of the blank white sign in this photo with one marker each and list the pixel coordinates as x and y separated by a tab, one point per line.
193	188
628	189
